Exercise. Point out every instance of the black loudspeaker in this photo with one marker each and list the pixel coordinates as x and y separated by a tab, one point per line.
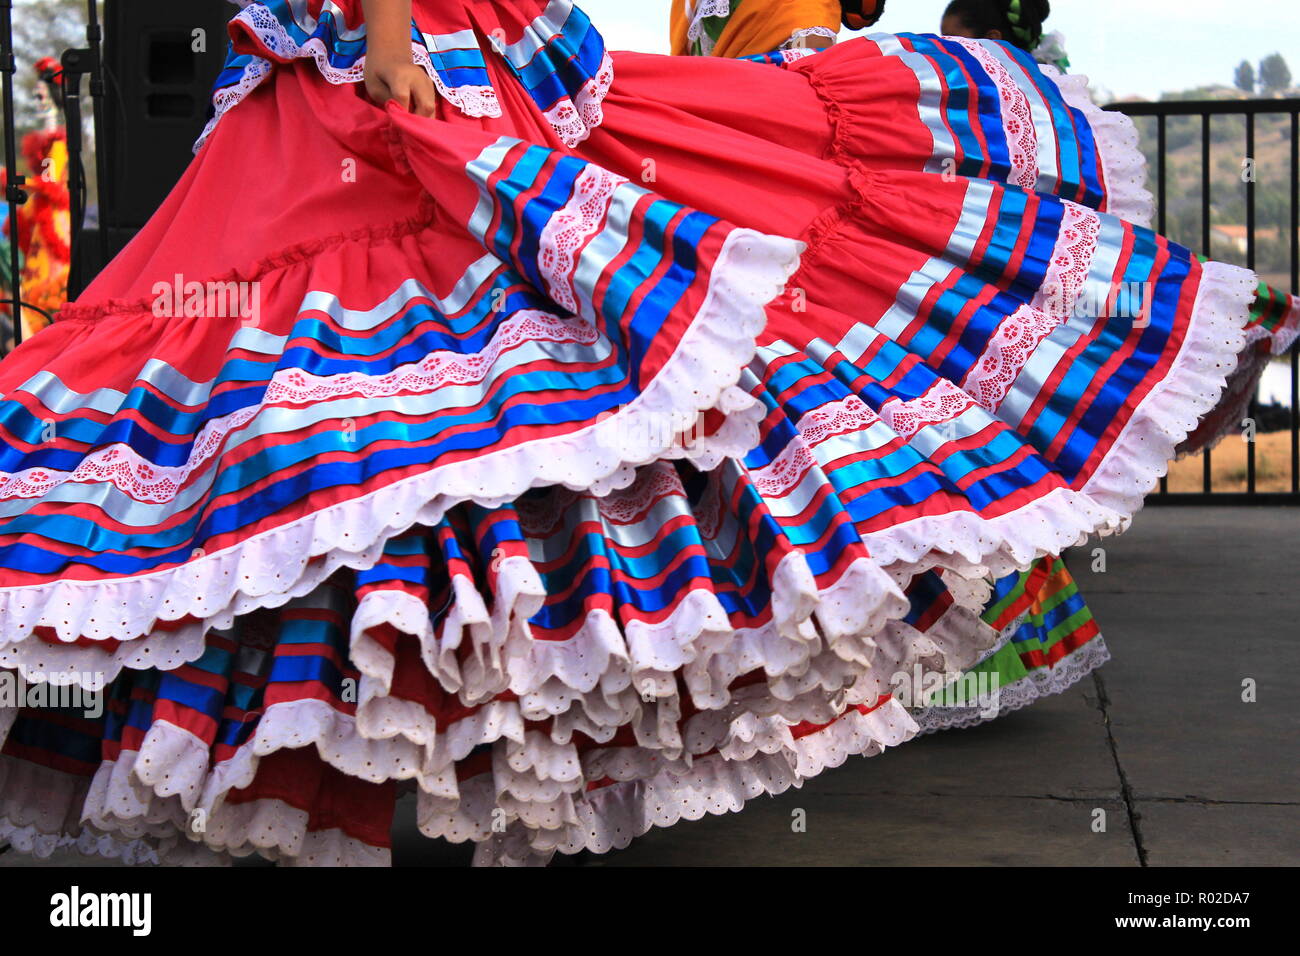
89	260
161	58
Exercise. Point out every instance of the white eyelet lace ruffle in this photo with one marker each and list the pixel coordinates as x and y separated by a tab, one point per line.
1124	166
1045	682
572	118
974	547
290	561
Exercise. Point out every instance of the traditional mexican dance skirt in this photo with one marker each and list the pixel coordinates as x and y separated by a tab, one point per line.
638	436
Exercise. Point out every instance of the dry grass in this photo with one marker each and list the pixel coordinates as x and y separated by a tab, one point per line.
1228	466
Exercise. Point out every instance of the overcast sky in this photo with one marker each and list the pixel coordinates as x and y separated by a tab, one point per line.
1128	47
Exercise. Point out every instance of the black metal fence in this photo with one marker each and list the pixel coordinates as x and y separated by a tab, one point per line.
1172	192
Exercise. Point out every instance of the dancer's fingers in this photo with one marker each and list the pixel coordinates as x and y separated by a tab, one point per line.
400	92
424	98
377	90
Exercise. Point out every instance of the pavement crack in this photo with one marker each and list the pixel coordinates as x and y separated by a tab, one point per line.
1213	802
1126	789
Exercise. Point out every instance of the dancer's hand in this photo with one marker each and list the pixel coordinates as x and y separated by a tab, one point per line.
395	77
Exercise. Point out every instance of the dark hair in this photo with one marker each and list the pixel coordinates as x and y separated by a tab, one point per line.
860	14
1020	21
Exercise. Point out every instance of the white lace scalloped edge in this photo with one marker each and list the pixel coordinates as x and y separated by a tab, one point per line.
968	545
573	120
703	10
289	561
957	641
172	763
1036	685
121	818
152	793
474	101
1124	167
43	846
42	828
394	739
614	816
611	817
125	815
598	662
277	831
591	681
798	37
1004	638
974	546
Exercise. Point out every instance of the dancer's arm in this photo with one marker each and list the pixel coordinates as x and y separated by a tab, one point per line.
391	74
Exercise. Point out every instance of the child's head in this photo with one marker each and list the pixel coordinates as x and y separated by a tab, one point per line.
860	14
1018	22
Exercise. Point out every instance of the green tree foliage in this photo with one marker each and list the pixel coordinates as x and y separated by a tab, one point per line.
1244	79
1274	74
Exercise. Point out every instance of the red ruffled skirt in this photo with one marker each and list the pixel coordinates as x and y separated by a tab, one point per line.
582	468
